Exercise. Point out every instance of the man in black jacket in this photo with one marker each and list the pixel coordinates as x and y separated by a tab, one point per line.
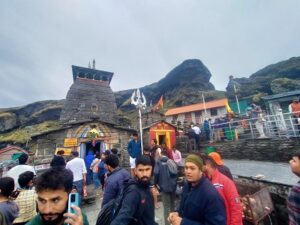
138	206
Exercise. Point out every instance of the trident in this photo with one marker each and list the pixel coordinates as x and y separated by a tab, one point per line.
138	99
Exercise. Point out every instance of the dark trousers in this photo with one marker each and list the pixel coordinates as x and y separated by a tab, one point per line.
168	199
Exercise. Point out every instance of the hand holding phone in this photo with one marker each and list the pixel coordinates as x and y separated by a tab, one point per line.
73	200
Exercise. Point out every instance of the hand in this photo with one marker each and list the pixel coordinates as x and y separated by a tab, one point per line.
74	219
172	217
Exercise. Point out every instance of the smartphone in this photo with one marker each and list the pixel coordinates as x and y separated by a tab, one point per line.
73	200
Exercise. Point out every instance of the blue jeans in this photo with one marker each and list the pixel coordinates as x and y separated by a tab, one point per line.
79	188
96	180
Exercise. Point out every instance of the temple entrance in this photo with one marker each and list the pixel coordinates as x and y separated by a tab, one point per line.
89	147
161	139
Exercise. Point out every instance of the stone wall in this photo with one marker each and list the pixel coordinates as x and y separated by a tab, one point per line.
273	150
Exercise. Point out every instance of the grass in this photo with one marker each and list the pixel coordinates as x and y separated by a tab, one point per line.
6	114
23	134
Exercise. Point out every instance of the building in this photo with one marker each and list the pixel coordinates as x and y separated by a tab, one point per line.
162	131
89	121
280	101
11	152
197	113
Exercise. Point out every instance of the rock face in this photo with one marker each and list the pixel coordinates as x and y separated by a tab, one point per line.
181	86
280	77
34	113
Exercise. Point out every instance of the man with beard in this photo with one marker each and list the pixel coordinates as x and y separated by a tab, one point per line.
137	206
53	188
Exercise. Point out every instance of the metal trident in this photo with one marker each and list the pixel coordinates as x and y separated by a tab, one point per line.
138	99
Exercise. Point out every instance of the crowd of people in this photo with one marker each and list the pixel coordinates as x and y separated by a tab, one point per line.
209	194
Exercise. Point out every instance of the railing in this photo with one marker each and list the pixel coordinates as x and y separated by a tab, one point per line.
265	126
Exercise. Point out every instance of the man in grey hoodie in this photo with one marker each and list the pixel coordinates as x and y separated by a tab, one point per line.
165	178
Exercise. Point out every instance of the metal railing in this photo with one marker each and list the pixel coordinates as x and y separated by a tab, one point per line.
265	126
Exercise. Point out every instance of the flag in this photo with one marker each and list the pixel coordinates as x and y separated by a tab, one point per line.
160	103
228	109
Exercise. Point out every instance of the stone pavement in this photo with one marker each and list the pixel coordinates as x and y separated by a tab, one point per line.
274	172
92	210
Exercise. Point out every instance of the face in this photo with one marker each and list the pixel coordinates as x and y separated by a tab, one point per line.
192	172
143	173
52	204
295	165
135	138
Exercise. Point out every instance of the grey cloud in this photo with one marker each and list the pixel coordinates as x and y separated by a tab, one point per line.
140	41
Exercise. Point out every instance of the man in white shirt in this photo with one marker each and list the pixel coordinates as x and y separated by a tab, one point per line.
77	166
197	134
21	168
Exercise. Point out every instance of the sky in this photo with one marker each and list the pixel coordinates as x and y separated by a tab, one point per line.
140	41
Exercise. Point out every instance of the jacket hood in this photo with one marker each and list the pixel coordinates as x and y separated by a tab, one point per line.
164	159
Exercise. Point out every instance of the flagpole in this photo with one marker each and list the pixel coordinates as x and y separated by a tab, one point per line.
237	100
138	99
203	99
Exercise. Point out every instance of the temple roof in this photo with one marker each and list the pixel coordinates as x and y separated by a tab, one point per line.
91	74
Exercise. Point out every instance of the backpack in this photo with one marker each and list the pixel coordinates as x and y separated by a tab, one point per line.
172	168
112	208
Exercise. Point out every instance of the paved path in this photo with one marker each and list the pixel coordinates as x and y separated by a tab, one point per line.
274	172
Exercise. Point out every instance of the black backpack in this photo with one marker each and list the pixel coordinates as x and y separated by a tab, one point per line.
112	208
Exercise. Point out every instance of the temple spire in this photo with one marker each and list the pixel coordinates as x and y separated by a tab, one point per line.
94	64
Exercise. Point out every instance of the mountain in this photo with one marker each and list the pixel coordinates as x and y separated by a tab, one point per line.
276	78
181	86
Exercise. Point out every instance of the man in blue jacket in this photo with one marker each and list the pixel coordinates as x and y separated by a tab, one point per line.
134	150
115	178
200	203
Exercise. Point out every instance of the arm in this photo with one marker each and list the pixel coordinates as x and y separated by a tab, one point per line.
129	206
234	204
110	192
83	172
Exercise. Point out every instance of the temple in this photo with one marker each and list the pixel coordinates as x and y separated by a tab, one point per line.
90	97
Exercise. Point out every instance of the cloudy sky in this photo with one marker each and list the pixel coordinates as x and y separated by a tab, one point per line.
139	40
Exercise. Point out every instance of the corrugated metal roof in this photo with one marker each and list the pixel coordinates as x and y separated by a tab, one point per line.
281	95
197	107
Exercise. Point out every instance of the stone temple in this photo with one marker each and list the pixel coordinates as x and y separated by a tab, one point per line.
89	97
88	120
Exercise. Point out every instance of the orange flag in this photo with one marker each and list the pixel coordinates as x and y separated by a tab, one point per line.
160	103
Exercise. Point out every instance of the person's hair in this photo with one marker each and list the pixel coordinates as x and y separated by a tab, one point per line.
23	158
147	148
112	161
55	178
297	154
144	160
114	151
135	134
209	160
75	153
60	152
7	186
155	141
25	178
58	161
107	152
98	156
